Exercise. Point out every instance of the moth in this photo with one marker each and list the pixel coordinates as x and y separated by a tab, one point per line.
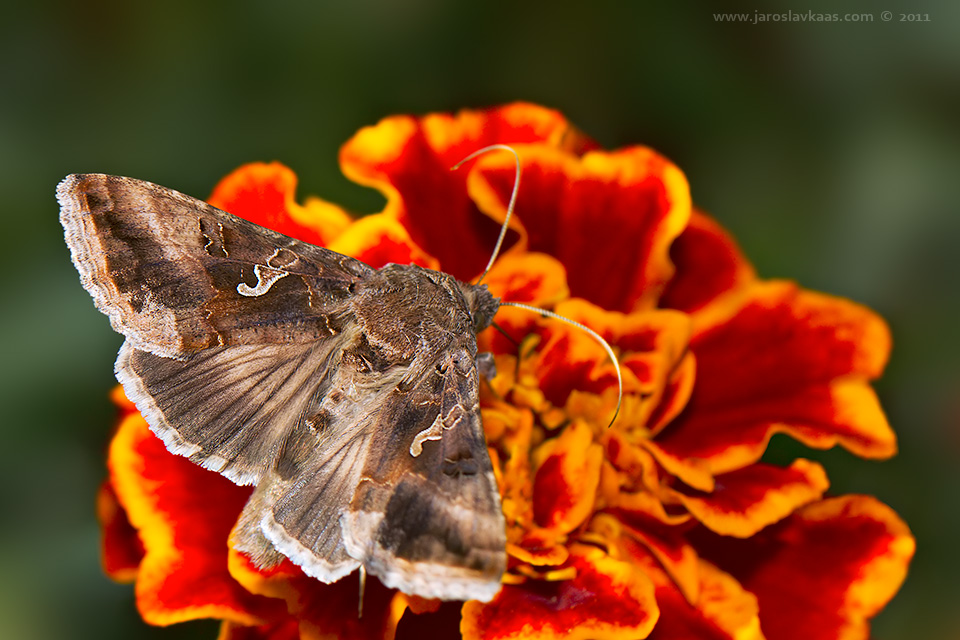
347	396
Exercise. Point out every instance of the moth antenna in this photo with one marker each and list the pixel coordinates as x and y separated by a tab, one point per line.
596	336
363	584
513	198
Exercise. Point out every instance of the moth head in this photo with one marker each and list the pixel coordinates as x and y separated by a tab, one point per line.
483	305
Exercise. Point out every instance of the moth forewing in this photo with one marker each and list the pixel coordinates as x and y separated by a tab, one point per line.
175	274
347	395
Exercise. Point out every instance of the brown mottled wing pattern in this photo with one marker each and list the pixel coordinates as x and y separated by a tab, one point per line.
232	409
176	275
426	516
348	396
411	496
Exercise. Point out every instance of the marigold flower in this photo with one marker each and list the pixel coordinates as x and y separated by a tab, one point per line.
665	525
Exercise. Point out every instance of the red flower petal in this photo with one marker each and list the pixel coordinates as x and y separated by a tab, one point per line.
569	359
723	610
264	194
641	536
823	572
746	500
776	358
675	396
183	514
708	263
531	278
565	483
408	160
288	629
120	400
121	550
540	547
378	240
330	610
609	217
692	471
608	599
325	610
636	466
707	604
628	477
510	453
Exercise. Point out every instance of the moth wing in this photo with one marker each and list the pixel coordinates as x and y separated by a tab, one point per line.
301	517
301	512
236	410
426	516
177	275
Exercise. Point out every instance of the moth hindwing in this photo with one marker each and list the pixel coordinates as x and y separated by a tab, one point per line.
347	395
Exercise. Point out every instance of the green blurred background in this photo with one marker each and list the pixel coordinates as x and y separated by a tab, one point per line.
832	151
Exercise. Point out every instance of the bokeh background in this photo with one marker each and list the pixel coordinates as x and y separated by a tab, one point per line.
832	151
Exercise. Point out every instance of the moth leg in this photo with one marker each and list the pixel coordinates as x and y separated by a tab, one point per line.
486	365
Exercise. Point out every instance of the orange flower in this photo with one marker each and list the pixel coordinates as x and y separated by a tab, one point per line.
665	525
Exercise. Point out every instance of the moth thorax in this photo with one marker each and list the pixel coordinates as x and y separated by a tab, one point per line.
482	304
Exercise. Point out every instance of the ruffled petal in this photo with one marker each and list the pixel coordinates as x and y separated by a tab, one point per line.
693	472
531	278
609	217
723	610
642	539
324	610
278	582
330	610
408	159
697	600
509	433
673	398
746	500
651	345
631	469
778	359
540	547
264	193
608	599
288	629
183	515
708	263
120	400
823	572
565	483
120	548
620	494
379	240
